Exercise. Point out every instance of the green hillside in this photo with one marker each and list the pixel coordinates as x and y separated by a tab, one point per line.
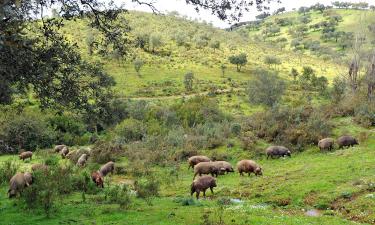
164	70
307	29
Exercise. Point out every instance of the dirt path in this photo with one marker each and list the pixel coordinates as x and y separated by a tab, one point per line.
187	96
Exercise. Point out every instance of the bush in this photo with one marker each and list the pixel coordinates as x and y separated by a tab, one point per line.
129	130
43	192
118	194
27	131
236	129
103	152
199	110
7	170
365	114
147	188
266	88
301	126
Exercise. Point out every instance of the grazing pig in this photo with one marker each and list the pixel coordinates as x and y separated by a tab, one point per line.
249	166
223	167
109	167
202	184
58	148
326	144
25	155
205	168
64	152
194	160
39	166
346	141
97	179
82	160
277	151
16	184
28	178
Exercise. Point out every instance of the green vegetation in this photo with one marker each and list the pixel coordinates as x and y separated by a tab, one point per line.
184	88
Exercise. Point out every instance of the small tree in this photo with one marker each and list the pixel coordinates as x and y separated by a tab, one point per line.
155	41
294	73
223	67
138	64
239	60
215	45
266	88
272	60
188	81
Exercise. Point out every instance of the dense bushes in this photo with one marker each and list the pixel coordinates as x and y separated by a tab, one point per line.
129	130
103	152
27	131
299	127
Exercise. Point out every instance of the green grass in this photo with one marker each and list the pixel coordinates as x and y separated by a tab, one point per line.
288	187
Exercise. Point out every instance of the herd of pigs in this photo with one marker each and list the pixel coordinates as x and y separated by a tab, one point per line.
202	165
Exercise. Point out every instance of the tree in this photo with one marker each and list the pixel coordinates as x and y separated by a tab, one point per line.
223	67
155	42
294	73
215	45
303	10
239	60
305	19
279	10
319	7
266	88
272	60
138	64
262	16
188	81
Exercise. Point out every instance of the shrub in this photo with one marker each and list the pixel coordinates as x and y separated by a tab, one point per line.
188	81
266	88
147	188
43	192
198	110
7	170
365	114
236	128
299	126
118	194
28	131
129	130
103	152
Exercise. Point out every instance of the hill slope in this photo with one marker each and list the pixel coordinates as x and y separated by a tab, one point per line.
188	46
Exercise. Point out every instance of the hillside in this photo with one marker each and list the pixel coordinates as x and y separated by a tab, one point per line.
326	34
187	46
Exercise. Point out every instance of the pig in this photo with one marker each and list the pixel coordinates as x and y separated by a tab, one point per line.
249	166
82	160
64	152
25	155
39	166
58	148
223	167
97	179
109	167
28	178
16	184
202	184
346	141
326	144
194	160
205	168
278	151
